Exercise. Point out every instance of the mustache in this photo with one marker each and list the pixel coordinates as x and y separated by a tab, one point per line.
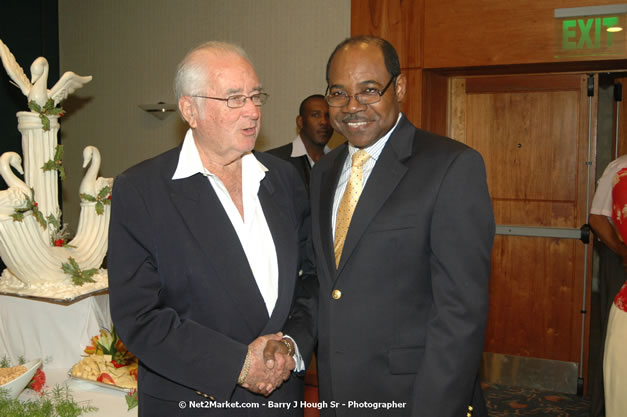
354	118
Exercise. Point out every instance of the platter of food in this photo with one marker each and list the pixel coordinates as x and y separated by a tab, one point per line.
108	363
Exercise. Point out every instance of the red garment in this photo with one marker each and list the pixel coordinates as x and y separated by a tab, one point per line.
619	217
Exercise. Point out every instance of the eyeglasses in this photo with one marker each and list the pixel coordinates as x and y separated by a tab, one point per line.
368	96
235	102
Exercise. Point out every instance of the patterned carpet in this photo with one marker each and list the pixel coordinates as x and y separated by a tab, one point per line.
504	401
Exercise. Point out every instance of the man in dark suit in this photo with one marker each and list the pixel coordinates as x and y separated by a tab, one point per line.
403	273
310	145
204	251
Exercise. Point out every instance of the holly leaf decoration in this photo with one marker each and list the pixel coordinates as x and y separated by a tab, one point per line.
88	197
31	205
104	194
34	106
52	220
78	277
49	166
45	122
40	217
48	109
56	163
102	199
17	216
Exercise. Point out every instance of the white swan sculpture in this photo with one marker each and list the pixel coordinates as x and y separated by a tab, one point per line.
26	252
27	241
37	88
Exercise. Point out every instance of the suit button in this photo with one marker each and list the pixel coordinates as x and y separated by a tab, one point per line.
336	294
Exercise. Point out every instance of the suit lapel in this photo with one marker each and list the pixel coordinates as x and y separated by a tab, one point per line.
211	227
384	178
304	168
286	252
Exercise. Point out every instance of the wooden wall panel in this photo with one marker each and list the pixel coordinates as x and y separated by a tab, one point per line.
462	33
621	114
435	94
399	22
412	105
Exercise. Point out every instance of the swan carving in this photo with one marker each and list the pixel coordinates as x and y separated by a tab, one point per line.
28	254
36	89
8	160
28	235
14	197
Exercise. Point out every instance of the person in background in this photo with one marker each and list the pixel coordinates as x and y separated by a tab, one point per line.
402	227
310	145
615	359
612	266
205	248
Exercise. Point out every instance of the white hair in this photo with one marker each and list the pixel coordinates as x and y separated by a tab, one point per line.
191	74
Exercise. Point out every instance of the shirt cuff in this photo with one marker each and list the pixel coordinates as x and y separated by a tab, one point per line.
300	364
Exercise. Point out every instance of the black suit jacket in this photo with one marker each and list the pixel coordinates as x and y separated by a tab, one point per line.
301	163
408	322
183	297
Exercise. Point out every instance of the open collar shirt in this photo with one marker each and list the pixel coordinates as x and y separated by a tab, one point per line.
253	231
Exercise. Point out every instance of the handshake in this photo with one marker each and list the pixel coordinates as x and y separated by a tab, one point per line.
268	363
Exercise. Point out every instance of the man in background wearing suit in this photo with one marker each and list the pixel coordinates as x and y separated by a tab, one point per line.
310	145
205	249
402	228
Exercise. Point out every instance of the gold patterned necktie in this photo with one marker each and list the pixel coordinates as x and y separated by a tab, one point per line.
349	202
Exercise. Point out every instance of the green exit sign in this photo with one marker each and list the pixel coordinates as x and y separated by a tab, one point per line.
589	36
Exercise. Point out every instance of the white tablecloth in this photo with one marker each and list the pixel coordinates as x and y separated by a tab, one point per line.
56	333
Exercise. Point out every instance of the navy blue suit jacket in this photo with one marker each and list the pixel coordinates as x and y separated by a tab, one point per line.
183	297
301	163
408	322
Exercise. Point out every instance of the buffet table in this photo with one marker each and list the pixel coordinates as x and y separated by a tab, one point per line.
58	332
110	402
55	332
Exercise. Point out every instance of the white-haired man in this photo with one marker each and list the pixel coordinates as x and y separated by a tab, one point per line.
205	248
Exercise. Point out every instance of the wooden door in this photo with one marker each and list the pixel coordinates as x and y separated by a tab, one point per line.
533	134
620	114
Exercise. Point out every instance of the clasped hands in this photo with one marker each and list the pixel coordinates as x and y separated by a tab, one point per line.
267	365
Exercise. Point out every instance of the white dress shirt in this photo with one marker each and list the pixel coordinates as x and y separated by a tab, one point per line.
253	231
374	151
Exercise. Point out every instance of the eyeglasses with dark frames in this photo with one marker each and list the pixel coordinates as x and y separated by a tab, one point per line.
235	102
368	96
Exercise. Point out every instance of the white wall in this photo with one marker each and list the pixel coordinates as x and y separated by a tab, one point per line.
131	48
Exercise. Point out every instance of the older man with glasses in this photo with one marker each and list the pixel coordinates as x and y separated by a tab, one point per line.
205	248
